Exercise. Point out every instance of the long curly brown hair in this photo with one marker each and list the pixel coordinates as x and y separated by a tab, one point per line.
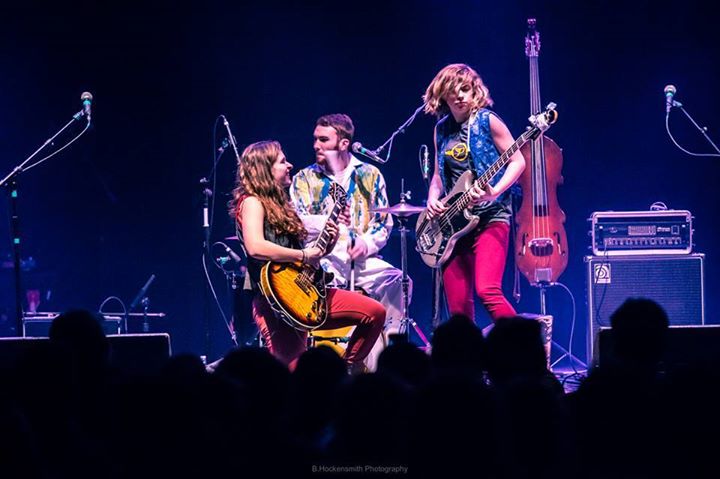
254	178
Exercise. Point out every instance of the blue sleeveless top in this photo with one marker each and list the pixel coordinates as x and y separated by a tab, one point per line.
481	154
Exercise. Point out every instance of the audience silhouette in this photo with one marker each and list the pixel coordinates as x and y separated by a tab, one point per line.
480	407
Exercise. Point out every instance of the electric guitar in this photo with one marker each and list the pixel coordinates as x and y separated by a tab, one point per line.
436	237
297	291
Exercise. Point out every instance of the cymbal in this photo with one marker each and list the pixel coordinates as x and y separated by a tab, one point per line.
400	209
232	238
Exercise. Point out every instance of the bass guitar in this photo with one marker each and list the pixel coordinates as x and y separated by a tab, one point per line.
436	237
297	291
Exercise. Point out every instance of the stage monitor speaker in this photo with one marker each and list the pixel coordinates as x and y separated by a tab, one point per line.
675	282
684	346
133	354
139	354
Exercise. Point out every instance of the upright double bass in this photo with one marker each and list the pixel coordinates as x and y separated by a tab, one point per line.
540	243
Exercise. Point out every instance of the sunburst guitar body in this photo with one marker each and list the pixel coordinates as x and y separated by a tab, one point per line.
296	291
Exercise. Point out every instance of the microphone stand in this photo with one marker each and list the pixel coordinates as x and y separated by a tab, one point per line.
435	273
401	129
140	298
206	193
702	129
231	138
11	181
146	304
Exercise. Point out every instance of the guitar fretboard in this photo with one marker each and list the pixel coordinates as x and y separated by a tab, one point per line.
490	173
324	237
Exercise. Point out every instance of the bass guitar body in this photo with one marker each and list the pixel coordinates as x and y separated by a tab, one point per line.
440	234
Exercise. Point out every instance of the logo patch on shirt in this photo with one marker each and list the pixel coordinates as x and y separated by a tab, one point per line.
459	152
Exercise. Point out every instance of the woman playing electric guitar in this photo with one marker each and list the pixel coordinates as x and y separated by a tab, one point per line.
272	231
469	136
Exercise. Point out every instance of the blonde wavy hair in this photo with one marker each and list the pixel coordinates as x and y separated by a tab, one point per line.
449	79
255	178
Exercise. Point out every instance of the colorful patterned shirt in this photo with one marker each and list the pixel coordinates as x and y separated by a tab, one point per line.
366	190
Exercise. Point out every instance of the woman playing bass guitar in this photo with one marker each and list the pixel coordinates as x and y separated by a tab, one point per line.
470	136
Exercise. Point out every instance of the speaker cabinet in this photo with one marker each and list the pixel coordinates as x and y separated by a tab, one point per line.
139	354
684	346
675	282
134	354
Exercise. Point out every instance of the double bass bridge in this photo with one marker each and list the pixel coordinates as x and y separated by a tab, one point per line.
541	246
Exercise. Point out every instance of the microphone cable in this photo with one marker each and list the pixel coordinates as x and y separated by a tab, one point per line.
421	154
87	125
703	130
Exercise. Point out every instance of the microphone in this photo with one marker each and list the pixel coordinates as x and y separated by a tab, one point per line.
232	253
670	91
425	161
86	98
358	148
141	293
231	137
223	145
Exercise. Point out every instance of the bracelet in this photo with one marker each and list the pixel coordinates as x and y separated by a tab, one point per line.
302	261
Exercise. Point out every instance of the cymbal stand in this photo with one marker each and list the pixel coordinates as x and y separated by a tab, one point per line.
406	320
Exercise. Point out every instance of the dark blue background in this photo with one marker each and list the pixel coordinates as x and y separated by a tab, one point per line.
124	201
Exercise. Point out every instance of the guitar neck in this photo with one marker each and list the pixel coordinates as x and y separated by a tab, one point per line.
504	159
534	86
324	237
537	150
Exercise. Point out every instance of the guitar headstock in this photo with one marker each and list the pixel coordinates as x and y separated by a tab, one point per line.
338	194
532	40
543	120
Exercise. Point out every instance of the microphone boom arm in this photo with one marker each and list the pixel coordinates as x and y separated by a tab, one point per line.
400	129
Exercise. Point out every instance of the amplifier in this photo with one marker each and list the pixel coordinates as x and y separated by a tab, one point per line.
675	282
38	324
641	232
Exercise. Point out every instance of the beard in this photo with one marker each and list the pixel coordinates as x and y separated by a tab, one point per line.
327	155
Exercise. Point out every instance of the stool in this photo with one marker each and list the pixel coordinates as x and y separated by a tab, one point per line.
335	339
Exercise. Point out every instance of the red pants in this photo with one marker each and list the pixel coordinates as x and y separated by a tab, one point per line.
345	308
478	260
